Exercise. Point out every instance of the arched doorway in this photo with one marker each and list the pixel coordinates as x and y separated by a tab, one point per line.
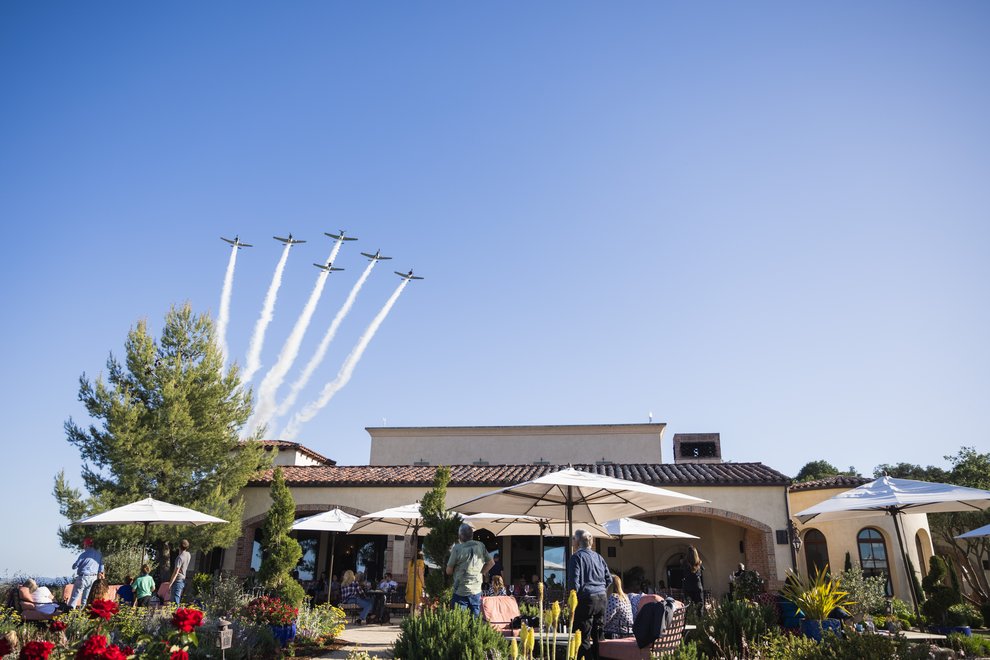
815	551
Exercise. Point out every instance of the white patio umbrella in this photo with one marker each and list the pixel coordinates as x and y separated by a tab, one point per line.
332	521
894	497
633	529
977	533
402	520
576	495
147	512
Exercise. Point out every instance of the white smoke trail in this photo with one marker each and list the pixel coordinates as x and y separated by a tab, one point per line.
346	370
321	350
290	350
223	318
267	312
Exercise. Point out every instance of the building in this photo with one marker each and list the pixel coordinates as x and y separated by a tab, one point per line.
748	519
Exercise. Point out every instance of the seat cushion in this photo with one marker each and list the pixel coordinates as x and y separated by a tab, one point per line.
499	611
622	649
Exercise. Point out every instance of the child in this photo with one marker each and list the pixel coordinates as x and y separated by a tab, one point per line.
144	587
125	593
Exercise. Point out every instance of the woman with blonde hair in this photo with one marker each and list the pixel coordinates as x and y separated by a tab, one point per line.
497	587
351	591
618	611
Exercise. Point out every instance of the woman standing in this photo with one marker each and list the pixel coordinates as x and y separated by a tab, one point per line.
416	581
618	611
694	586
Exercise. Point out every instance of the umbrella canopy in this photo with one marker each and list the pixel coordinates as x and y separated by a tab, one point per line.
979	532
150	512
897	496
333	520
574	495
503	525
400	520
632	529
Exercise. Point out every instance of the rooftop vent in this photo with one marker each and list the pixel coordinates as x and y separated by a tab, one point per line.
697	448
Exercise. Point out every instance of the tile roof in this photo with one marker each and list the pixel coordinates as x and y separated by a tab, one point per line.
302	449
656	474
837	481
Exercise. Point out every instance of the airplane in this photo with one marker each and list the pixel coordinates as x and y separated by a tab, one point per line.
377	256
289	240
408	276
328	267
236	242
340	236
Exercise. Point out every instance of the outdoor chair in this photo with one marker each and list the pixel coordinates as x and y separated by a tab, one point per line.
395	601
627	648
500	611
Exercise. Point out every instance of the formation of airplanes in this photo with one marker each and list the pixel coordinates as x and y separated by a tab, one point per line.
328	267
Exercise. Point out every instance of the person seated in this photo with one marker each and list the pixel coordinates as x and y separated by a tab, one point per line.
618	611
388	585
37	603
144	587
352	591
100	590
497	587
334	597
125	593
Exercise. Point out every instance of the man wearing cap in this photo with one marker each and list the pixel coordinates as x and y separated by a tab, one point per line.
88	567
469	559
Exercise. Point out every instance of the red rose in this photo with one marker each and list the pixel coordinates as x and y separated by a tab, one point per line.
92	648
57	625
186	619
5	646
179	655
127	650
114	653
36	650
103	609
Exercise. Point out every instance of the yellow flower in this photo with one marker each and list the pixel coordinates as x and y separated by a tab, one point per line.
539	589
572	603
514	649
555	612
577	643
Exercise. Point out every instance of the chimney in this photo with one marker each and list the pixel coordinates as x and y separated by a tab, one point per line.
697	448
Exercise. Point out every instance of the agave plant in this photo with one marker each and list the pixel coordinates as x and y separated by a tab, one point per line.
815	597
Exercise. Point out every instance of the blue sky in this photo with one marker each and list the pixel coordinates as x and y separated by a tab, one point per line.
767	220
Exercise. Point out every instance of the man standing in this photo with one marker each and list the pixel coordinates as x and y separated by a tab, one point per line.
588	575
179	572
88	567
469	559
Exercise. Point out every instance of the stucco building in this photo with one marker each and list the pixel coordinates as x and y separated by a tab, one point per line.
748	518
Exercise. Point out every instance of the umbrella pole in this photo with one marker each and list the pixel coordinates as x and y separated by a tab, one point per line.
415	571
570	525
542	568
144	547
907	566
333	543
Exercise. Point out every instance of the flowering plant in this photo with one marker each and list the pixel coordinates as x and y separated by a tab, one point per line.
5	646
57	625
103	609
37	650
187	619
271	611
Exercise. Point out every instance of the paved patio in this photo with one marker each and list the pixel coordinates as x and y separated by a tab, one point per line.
375	640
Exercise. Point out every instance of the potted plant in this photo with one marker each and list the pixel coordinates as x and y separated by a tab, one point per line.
275	613
817	598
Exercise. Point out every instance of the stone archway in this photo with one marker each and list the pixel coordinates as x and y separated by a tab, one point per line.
758	539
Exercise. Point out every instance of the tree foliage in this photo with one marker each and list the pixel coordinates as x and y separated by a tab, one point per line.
813	470
443	530
164	423
281	552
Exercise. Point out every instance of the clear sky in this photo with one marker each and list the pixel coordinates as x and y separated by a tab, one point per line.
768	220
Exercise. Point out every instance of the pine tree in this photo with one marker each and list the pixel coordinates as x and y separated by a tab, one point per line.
165	423
281	552
443	531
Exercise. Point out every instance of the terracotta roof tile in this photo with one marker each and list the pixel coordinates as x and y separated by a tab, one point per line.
837	481
657	474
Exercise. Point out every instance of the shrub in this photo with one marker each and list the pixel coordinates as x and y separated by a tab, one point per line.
964	614
733	627
975	646
815	597
281	552
269	611
748	585
688	651
868	594
224	596
320	623
448	634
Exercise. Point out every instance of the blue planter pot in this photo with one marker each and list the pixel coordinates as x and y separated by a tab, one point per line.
946	630
816	629
790	617
284	634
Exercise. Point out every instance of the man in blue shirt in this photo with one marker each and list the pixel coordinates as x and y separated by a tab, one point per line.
88	567
589	576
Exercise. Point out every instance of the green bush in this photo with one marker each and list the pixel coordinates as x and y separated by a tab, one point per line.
868	594
687	651
976	646
938	587
733	626
964	614
448	634
319	623
851	646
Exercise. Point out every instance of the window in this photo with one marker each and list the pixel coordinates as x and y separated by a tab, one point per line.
873	555
815	551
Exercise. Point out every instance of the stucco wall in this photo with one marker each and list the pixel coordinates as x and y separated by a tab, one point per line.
559	445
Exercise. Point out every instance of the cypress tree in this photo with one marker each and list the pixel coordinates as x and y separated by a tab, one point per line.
281	552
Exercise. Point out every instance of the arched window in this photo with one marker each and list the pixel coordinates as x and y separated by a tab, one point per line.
815	551
919	546
873	555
